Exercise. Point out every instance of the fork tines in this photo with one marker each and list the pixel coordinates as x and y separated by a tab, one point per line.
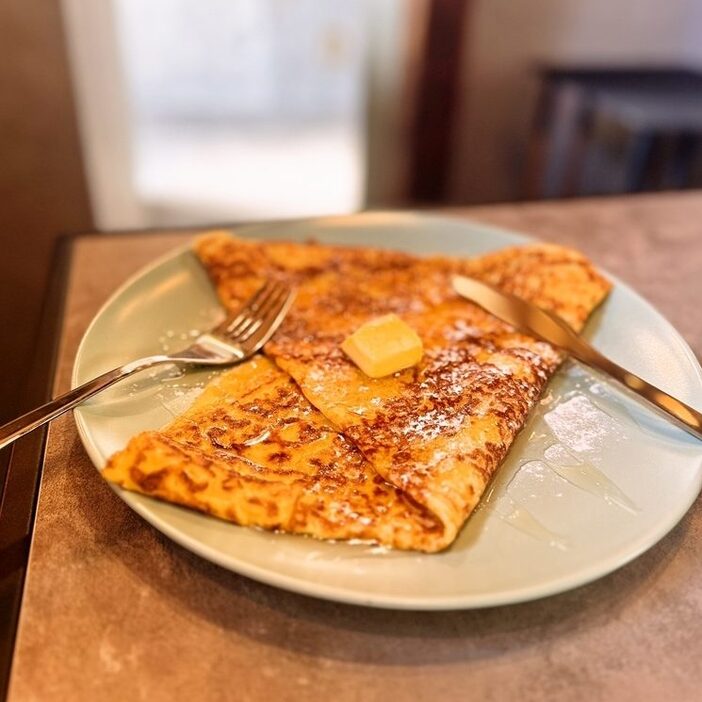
261	312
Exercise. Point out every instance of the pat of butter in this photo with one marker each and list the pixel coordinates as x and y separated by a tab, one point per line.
384	346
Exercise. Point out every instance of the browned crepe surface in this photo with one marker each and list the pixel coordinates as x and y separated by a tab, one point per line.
253	450
434	433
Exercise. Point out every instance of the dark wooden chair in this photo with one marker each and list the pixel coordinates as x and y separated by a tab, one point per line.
614	130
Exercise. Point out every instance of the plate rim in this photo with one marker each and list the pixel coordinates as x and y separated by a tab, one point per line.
338	593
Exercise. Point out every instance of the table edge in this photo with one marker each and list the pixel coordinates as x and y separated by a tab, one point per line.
21	463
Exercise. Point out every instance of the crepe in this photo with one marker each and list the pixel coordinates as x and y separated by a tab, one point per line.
252	450
432	436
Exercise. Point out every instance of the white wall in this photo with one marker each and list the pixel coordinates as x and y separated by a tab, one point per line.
508	38
692	32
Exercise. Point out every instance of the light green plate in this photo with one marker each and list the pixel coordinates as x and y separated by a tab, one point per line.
593	481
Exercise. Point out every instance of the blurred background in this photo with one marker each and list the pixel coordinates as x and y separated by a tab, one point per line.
124	114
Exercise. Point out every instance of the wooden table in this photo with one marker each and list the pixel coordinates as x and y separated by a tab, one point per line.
112	610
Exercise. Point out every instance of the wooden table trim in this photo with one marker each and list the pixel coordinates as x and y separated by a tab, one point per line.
21	463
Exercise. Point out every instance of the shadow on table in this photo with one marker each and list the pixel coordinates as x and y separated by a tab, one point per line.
321	629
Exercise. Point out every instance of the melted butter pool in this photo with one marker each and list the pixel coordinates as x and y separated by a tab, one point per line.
558	453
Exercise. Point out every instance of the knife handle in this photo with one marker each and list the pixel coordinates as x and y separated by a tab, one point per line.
685	416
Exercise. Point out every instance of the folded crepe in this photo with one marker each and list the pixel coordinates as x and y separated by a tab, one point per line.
252	450
401	460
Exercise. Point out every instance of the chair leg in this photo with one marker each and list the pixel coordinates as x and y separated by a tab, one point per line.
684	157
639	160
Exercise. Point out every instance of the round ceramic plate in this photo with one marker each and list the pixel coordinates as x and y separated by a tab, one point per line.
594	479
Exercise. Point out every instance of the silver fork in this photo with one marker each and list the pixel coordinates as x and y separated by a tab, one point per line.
234	340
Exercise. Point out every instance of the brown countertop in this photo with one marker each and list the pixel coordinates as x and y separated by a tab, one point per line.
113	610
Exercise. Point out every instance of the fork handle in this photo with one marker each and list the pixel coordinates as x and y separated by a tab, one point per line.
35	418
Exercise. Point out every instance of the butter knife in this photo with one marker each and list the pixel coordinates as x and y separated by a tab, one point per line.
548	327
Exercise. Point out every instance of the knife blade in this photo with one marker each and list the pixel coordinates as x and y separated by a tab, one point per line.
548	327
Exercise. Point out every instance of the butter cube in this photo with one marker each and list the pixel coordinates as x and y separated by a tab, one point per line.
384	346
